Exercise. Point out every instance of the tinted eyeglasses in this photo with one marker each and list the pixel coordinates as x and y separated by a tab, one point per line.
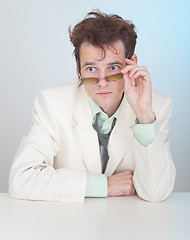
111	78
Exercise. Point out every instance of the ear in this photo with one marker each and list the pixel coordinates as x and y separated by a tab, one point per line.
134	58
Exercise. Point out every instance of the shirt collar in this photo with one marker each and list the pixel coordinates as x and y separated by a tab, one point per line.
96	109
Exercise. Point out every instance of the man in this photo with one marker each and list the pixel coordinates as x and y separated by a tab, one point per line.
104	135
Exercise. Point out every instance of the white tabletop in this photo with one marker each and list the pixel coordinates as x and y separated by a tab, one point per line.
98	218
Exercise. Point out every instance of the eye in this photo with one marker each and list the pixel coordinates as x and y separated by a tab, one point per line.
114	67
91	69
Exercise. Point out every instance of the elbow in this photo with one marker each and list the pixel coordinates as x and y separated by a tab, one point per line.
155	194
14	189
18	184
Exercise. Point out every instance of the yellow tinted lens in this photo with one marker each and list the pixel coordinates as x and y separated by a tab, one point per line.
114	77
89	81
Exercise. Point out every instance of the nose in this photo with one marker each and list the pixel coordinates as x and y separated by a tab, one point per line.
102	80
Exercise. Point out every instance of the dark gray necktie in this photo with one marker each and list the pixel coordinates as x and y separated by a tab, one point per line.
103	141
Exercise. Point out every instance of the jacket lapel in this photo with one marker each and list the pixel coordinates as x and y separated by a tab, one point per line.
120	139
85	134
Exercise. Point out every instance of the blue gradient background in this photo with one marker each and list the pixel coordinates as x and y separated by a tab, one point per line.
35	53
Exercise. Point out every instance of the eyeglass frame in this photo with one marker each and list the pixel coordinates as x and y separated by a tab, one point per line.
98	79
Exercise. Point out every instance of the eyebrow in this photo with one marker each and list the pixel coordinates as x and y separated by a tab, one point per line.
109	64
115	63
88	63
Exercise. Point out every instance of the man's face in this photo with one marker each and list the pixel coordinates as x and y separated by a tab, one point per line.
107	95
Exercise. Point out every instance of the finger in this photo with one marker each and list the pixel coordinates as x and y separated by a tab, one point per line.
130	62
135	69
130	172
141	74
133	192
128	68
127	190
128	81
127	173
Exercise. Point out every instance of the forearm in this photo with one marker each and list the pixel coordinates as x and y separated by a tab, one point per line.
154	175
33	177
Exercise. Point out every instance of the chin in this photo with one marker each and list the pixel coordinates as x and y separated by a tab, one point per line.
105	105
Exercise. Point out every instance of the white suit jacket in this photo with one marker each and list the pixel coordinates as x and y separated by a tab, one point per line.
61	147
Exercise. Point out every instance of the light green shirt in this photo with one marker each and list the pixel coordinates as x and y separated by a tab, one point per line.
104	121
144	134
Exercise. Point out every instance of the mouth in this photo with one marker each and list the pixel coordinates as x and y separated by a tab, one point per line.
104	93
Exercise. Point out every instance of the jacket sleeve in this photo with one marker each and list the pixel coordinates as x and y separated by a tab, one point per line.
32	175
154	175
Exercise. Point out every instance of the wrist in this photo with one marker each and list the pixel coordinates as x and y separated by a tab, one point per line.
146	118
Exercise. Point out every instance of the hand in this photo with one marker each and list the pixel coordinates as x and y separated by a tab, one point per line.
121	184
139	95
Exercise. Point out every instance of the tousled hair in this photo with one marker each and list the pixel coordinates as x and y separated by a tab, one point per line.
100	30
